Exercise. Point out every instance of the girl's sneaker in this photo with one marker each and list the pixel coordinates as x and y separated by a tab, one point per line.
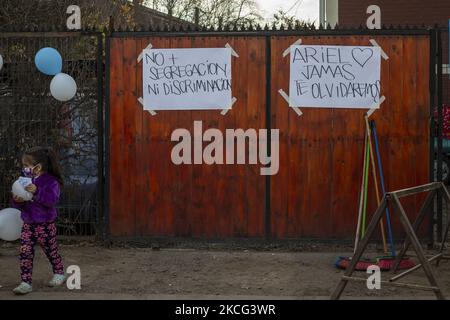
57	280
23	288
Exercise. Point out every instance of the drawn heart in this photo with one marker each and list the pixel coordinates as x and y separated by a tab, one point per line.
362	56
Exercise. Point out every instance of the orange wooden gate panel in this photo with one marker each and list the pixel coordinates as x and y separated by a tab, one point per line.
314	194
149	195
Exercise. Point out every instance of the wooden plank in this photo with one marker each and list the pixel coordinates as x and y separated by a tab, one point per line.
210	172
422	137
279	118
360	249
318	215
183	173
129	152
227	194
157	164
199	189
240	217
171	119
256	117
347	140
116	138
381	115
151	184
130	108
418	249
222	211
164	121
372	203
296	165
392	127
139	172
423	212
309	147
300	188
409	121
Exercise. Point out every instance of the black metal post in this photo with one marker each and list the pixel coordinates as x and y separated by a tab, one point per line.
100	138
264	33
106	229
439	133
432	155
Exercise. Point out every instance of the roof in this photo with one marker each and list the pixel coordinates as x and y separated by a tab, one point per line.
147	16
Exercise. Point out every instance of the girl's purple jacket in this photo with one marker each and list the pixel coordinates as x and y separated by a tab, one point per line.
41	208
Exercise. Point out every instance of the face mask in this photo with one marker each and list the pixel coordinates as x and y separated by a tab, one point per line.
28	172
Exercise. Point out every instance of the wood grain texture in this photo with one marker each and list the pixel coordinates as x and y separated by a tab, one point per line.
154	197
314	194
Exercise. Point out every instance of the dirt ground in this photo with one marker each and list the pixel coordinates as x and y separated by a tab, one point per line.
182	273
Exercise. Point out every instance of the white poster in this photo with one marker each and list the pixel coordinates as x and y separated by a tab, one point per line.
187	79
334	76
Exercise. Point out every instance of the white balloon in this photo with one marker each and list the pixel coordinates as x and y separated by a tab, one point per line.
10	224
63	87
19	191
1	62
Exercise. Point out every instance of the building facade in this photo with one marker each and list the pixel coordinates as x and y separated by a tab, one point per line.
353	13
398	12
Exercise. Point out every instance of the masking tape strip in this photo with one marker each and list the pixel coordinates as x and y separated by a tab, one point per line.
375	44
141	55
141	101
233	53
375	107
288	50
224	111
286	97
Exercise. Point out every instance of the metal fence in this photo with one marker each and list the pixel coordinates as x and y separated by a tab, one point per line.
172	208
30	116
441	130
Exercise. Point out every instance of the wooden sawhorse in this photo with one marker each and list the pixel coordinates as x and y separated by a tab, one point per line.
411	239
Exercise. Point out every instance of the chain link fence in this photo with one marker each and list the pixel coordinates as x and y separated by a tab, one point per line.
30	116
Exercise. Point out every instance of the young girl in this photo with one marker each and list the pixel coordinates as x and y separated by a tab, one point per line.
39	215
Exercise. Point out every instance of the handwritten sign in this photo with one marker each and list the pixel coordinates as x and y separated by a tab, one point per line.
334	76
187	79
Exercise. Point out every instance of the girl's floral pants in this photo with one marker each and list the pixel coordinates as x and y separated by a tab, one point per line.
45	235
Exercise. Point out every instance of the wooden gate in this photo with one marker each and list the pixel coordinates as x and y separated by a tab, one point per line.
314	194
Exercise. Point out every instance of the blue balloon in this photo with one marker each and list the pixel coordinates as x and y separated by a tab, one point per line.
48	61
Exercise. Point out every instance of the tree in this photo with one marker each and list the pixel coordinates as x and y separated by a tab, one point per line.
21	14
281	17
213	13
95	13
